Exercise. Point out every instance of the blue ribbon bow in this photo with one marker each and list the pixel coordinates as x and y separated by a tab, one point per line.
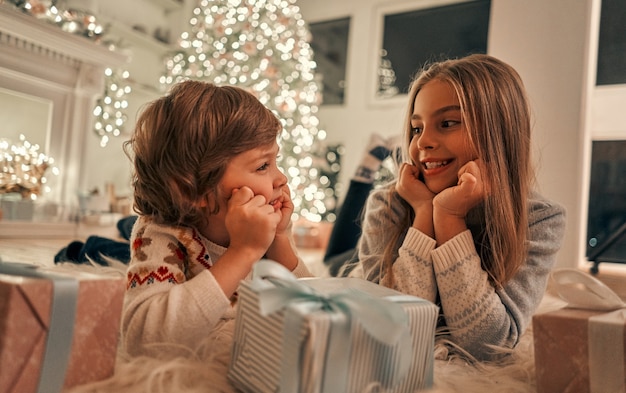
382	318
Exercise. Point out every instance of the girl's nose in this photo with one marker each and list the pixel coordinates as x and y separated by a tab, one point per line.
426	140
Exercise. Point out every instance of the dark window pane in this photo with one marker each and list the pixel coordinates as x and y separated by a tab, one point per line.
413	38
612	43
330	49
607	202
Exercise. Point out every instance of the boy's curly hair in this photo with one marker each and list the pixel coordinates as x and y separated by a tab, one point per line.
183	141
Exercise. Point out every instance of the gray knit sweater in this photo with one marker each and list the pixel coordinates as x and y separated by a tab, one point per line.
475	314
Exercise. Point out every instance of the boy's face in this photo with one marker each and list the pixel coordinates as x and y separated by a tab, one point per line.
256	169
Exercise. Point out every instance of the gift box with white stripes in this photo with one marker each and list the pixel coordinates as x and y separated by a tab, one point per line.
329	335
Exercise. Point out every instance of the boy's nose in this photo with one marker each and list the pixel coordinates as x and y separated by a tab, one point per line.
280	179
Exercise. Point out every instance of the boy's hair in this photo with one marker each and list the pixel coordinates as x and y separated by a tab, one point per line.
183	142
495	111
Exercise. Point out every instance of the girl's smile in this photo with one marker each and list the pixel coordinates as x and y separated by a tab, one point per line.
433	167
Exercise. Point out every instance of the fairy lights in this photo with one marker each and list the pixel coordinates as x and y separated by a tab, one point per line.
110	110
23	168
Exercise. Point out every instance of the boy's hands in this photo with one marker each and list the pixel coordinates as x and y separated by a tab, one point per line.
251	222
286	210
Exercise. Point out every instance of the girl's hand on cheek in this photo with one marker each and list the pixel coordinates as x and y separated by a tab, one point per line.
411	188
250	221
470	191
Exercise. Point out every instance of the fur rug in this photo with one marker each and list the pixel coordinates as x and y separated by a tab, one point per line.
205	369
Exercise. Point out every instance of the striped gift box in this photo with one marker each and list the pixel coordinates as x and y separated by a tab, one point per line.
332	338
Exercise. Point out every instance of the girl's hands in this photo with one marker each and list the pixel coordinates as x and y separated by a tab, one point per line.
411	188
415	193
251	222
470	191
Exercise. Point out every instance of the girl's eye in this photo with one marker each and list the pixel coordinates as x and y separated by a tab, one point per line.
416	130
263	167
449	123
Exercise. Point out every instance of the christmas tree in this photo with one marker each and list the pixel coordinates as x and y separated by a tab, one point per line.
263	47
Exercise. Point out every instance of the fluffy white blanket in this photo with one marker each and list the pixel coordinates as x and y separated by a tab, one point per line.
205	369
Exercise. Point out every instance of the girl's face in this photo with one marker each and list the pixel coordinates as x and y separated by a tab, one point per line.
257	169
440	143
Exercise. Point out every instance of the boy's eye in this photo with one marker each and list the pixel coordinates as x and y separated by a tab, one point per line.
263	167
416	130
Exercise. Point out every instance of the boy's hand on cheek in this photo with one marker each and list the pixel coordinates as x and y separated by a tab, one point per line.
250	221
286	209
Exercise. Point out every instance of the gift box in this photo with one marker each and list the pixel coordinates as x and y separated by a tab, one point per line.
56	330
329	335
581	348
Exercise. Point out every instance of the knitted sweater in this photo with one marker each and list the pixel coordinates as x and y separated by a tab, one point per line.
172	299
475	314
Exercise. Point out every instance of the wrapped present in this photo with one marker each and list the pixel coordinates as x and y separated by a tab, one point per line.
582	347
329	335
56	330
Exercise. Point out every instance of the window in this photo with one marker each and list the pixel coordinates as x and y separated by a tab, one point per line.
412	38
606	223
330	50
612	43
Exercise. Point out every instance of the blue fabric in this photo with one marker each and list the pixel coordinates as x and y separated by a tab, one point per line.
99	248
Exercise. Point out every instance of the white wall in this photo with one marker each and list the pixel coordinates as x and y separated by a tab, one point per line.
545	44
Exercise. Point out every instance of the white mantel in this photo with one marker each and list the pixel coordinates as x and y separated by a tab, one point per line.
40	59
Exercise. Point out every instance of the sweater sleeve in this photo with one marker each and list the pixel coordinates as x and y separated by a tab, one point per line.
412	270
479	316
162	306
301	270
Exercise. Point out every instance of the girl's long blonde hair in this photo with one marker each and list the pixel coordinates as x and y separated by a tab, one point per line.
495	111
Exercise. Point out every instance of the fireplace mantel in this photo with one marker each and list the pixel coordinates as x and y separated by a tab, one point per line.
29	33
41	60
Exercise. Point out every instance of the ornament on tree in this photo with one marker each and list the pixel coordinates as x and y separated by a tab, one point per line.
110	110
263	47
23	168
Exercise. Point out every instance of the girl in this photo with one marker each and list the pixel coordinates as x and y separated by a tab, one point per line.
211	202
461	226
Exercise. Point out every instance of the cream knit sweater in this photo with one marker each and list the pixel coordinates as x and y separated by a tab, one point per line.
172	300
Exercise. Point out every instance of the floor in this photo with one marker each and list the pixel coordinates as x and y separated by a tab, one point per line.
41	251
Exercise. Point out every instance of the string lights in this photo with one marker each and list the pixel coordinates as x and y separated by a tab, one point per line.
72	19
110	109
23	168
